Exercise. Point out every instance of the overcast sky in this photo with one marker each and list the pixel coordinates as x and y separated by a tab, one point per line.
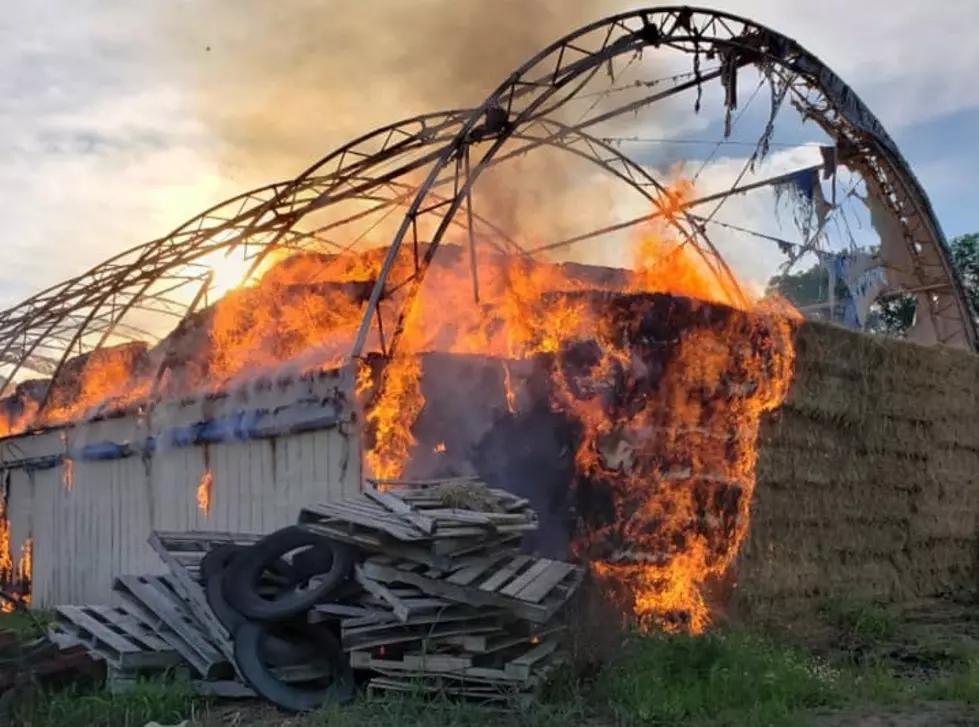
119	119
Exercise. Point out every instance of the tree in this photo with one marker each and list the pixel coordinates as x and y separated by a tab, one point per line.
965	259
894	314
809	289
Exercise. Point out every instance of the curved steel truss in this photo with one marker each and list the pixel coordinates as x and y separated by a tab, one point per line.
426	167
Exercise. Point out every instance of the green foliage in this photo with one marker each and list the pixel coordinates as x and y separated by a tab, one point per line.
965	258
809	287
893	315
25	625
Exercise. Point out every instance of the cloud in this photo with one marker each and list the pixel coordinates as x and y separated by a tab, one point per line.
120	120
911	61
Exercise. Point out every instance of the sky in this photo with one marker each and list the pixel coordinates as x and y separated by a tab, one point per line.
119	119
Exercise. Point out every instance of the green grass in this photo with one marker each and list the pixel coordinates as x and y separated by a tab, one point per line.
737	679
95	707
731	679
962	685
22	623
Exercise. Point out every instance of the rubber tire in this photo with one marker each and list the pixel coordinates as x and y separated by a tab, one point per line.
217	559
279	652
310	562
242	577
248	646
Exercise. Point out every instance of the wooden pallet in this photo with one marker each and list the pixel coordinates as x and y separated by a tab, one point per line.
155	601
189	548
385	514
122	641
526	669
482	695
395	633
514	637
177	550
434	553
429	494
530	588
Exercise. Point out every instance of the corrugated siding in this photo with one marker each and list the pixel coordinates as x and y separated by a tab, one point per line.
86	535
20	503
89	533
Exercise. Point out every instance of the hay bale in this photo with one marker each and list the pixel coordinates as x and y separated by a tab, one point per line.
956	431
938	566
762	574
886	359
795	427
783	466
859	377
941	520
832	502
464	495
955	465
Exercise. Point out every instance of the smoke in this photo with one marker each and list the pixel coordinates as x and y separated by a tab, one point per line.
279	84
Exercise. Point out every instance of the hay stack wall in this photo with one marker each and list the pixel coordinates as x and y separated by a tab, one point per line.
868	477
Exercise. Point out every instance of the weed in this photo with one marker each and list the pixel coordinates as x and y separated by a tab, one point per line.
962	685
24	624
861	622
727	680
166	703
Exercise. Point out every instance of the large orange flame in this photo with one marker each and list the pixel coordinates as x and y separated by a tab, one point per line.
680	459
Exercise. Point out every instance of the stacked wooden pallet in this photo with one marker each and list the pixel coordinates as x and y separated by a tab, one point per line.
152	630
448	603
440	599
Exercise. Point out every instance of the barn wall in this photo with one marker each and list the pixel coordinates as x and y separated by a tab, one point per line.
89	495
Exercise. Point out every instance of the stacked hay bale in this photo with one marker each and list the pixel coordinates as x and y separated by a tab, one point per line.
868	476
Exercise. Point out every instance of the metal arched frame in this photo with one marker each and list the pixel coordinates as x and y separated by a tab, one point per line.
566	64
68	312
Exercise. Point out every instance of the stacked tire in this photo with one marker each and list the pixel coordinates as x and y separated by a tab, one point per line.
262	596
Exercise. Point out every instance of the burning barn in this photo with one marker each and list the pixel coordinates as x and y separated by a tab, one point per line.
272	352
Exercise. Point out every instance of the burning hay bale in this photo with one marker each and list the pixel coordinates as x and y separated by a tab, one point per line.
415	587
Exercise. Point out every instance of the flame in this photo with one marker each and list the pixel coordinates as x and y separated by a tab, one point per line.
439	448
204	491
6	557
67	473
672	439
511	397
679	460
14	577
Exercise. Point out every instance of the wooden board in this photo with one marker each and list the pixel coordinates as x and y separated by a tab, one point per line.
366	513
190	589
149	599
406	633
425	525
527	670
373	541
489	588
491	644
123	642
484	696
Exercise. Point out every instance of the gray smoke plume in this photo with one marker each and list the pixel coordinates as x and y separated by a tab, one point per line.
280	83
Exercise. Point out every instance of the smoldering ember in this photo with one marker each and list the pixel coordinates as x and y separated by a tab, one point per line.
479	384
